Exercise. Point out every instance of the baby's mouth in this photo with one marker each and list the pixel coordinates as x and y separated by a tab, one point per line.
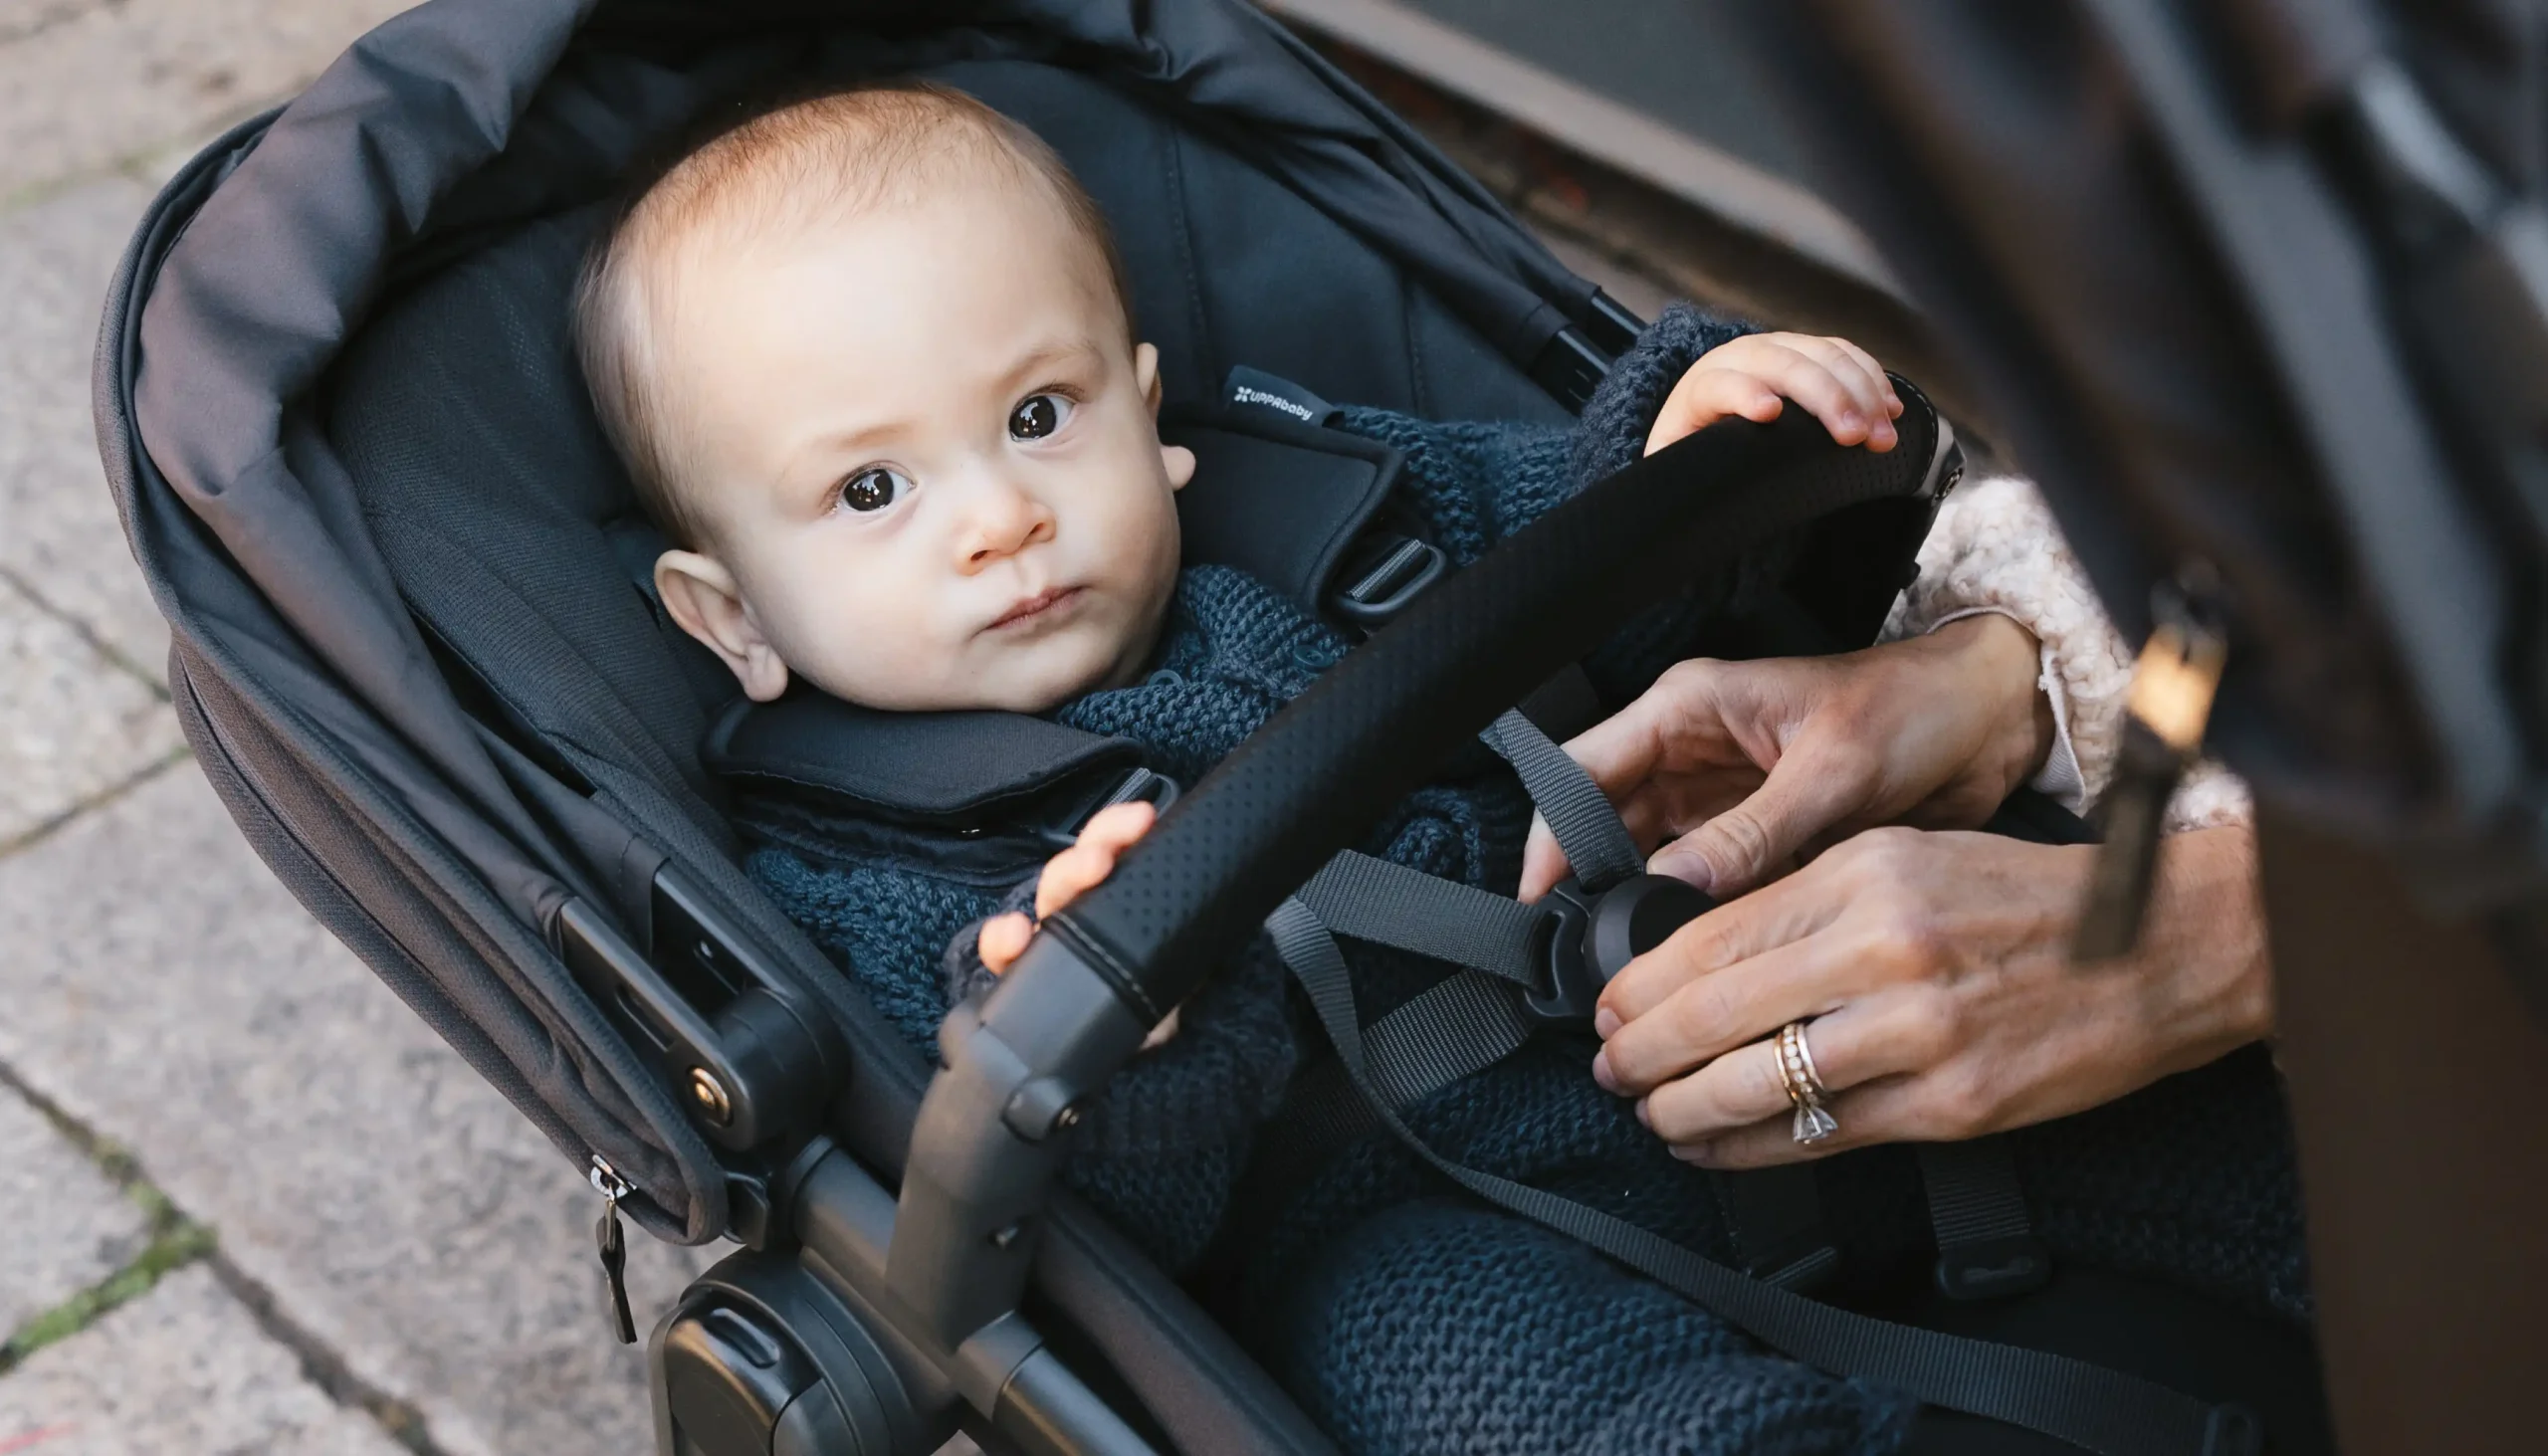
1036	607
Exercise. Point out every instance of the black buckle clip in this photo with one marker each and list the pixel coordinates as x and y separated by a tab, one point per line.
1157	789
2232	1430
1587	937
1989	1269
1389	572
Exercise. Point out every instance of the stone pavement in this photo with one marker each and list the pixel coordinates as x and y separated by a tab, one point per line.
248	1202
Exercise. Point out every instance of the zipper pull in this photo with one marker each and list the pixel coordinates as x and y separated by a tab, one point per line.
2172	685
614	1246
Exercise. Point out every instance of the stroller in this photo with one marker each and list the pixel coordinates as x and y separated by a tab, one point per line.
338	408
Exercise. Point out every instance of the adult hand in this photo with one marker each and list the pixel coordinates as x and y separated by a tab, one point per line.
1741	765
1934	971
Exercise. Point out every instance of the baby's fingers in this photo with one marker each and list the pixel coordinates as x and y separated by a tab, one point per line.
1707	394
1002	939
1085	865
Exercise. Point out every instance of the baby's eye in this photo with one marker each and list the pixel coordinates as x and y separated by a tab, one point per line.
1038	415
873	489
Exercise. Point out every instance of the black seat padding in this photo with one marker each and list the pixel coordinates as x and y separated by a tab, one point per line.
460	416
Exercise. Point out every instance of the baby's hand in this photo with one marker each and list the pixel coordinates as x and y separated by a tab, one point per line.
1755	375
1068	876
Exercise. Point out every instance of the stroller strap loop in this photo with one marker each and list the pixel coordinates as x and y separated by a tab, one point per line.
1587	827
2097	1409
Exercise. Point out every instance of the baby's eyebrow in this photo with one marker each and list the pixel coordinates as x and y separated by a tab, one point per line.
1045	357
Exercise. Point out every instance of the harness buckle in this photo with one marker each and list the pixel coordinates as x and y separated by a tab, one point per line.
1388	570
1587	938
1989	1269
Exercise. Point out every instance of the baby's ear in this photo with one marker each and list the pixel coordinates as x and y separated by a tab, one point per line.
703	597
1178	461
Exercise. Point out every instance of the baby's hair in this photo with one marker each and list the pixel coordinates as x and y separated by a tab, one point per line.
796	164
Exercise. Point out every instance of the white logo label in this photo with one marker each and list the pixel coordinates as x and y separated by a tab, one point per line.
1291	407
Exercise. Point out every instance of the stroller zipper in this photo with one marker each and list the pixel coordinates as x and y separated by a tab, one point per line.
614	1246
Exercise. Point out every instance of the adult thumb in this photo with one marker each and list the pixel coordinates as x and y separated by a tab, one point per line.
1737	848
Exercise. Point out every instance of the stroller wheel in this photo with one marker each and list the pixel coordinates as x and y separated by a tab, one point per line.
759	1361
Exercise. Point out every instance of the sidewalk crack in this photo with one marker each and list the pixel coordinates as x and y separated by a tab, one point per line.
177	1241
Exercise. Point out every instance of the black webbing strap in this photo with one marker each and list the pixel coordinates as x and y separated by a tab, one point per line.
1597	844
1986	1245
1464	1024
1774	1216
1366	898
2100	1410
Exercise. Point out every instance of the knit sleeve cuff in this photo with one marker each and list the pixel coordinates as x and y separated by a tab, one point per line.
1622	411
1997	547
2059	779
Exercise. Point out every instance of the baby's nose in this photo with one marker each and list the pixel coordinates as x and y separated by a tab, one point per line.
1005	522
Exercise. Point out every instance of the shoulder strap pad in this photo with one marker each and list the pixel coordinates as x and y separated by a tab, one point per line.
942	771
1282	499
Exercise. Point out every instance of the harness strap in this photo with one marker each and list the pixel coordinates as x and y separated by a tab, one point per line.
2100	1410
1369	898
1775	1217
1597	844
1987	1244
1463	1024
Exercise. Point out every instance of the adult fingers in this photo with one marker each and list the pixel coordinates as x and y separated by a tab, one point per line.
1897	1109
1736	849
1620	752
1704	993
1858	1043
1004	939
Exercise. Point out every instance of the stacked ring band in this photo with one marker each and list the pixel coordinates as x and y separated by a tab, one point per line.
1804	1089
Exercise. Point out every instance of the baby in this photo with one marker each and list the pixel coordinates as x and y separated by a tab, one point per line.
870	362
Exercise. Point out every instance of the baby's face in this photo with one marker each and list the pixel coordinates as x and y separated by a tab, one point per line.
928	458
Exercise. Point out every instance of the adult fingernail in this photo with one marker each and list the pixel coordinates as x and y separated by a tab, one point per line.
1644	1118
1605	1024
1601	1071
1683	866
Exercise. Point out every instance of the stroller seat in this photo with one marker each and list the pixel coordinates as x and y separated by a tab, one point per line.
403	571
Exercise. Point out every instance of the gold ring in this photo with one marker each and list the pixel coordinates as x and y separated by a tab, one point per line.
1803	1086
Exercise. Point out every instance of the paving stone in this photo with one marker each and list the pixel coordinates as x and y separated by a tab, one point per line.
72	724
63	540
68	1225
164	990
184	1368
86	84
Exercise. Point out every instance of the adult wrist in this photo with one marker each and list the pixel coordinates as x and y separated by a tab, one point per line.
2204	947
2006	667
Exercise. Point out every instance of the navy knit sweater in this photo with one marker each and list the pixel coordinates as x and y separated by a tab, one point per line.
1410	1321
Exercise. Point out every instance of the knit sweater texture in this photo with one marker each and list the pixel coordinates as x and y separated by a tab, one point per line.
1406	1319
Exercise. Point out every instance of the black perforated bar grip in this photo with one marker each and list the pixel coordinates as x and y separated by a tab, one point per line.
1373	729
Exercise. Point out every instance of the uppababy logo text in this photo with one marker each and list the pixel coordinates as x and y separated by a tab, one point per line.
1291	407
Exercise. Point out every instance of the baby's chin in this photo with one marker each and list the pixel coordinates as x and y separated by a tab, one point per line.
1034	680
